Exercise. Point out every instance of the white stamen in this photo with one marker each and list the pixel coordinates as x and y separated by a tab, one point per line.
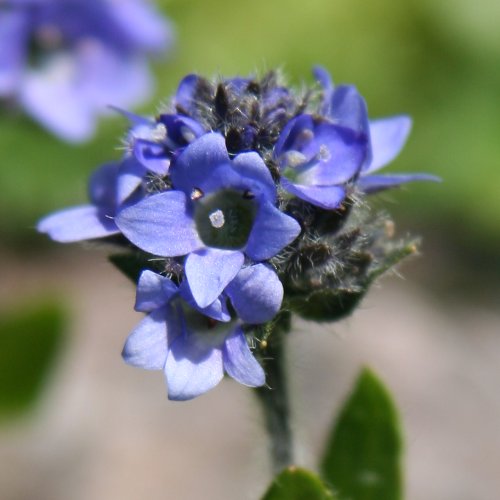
294	159
159	133
217	218
324	153
196	194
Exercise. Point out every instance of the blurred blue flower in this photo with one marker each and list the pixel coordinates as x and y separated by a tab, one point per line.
344	106
193	345
218	212
65	61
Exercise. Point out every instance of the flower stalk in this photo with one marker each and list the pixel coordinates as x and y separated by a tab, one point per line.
274	397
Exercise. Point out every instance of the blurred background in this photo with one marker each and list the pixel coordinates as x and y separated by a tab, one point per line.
75	422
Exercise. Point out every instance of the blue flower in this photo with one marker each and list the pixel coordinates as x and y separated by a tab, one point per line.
193	345
155	142
219	211
94	220
116	185
344	106
317	159
64	61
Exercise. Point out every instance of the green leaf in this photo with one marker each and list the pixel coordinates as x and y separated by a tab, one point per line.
363	454
297	484
29	341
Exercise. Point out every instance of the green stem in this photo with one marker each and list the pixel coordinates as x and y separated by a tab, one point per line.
274	396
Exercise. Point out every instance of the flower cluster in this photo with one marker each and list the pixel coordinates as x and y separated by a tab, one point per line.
65	61
239	202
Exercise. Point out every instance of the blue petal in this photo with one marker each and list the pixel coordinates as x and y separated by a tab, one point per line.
345	150
192	368
102	187
388	136
130	177
57	102
374	183
152	156
196	163
256	294
272	231
160	225
216	310
252	166
323	77
239	362
153	291
143	24
328	197
147	345
208	272
135	120
181	130
106	76
13	42
349	110
290	133
185	92
76	224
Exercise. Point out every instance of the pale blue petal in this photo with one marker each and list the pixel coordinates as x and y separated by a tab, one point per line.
130	177
323	77
208	272
272	231
196	163
216	310
256	294
76	224
388	136
160	225
239	361
147	345
252	166
349	109
51	97
13	42
328	197
153	291
102	187
185	92
192	368
144	26
106	77
289	137
374	183
152	156
345	153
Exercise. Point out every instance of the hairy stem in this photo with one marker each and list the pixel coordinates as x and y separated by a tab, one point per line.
274	396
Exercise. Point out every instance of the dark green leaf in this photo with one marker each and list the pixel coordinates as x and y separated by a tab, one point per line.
363	455
297	484
29	341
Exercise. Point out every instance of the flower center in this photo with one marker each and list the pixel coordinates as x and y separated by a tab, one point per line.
225	219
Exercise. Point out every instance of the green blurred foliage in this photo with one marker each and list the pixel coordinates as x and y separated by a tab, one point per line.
436	61
362	459
297	484
30	338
